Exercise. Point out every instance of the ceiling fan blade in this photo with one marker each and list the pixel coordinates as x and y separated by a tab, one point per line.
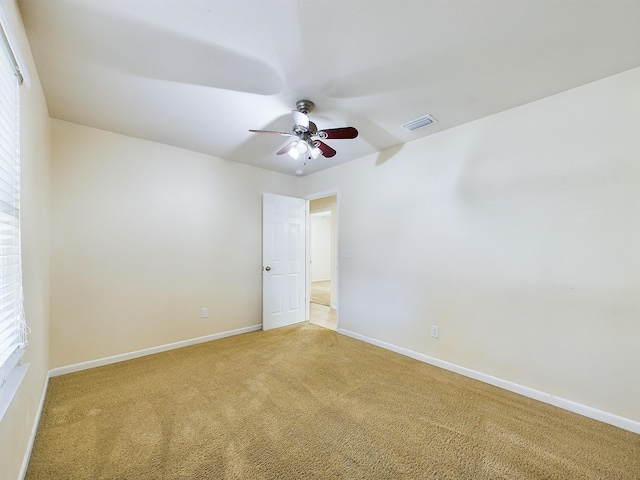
338	133
301	119
273	133
286	148
326	150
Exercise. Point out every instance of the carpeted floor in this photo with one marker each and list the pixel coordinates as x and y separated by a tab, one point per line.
321	293
304	402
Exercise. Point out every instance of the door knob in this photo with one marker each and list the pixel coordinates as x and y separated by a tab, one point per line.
268	269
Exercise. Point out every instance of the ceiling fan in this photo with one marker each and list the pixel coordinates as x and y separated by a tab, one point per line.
310	139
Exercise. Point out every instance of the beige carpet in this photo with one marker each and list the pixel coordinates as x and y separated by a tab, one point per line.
304	402
321	293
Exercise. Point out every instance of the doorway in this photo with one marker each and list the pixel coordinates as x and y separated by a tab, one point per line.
323	261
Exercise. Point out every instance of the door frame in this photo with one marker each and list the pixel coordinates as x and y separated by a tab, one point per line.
308	198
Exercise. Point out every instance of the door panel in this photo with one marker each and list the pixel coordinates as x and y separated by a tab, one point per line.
283	256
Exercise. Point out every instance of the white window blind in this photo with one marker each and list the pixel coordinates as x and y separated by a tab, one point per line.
13	328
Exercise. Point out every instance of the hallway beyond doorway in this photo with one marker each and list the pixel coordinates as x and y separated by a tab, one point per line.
321	293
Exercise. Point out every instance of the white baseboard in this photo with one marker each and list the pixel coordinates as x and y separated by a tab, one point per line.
76	367
34	431
565	404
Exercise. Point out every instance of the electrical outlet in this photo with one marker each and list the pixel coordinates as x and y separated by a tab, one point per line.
435	331
205	312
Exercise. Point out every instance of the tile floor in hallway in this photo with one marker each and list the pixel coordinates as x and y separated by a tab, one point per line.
323	316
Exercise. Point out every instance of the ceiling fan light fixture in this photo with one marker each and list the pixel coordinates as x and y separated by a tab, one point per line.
301	147
293	152
315	152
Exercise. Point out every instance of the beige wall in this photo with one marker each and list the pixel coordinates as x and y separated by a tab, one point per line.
15	427
517	234
144	235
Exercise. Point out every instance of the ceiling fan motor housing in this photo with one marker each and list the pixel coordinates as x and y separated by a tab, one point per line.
305	106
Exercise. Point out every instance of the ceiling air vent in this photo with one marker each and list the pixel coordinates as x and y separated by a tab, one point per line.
419	122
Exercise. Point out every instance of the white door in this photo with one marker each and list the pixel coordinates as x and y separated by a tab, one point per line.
283	261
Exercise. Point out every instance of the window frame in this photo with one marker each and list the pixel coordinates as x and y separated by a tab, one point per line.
12	370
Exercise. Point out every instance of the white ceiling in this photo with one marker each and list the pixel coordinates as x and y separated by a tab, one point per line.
198	74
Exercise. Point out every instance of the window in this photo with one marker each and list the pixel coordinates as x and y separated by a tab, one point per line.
13	329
